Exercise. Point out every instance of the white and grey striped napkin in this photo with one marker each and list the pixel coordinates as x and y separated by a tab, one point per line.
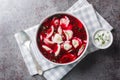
86	13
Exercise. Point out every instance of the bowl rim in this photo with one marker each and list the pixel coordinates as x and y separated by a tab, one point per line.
83	53
111	36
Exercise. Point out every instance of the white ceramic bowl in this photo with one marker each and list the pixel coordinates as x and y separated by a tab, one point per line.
107	38
80	57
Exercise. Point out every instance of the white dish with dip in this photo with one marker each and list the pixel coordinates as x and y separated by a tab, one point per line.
102	38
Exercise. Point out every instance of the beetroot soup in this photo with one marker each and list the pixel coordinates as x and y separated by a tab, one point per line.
61	38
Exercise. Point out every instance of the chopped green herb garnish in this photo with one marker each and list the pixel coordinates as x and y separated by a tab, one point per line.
103	42
103	34
97	39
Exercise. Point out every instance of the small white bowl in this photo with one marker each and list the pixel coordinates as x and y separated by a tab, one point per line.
102	38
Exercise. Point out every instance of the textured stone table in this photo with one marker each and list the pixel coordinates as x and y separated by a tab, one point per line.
16	15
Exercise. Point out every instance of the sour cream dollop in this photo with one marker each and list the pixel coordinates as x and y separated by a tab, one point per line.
102	38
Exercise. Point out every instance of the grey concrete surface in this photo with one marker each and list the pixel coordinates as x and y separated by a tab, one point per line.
16	15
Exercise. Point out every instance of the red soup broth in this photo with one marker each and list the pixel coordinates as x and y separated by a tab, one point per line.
61	38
